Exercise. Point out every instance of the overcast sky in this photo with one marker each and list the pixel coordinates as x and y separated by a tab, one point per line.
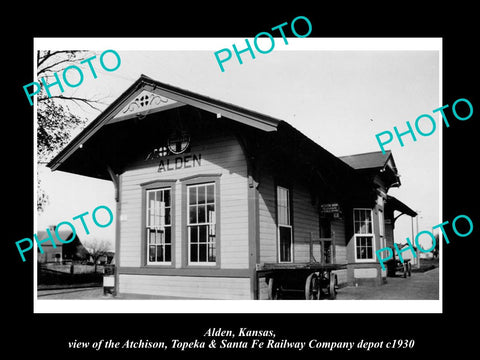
338	97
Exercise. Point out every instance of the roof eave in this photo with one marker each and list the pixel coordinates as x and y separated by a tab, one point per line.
248	117
95	125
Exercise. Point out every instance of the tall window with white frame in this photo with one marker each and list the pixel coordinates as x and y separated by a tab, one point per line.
285	243
363	227
159	227
201	225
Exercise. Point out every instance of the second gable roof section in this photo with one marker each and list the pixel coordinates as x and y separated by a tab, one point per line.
145	83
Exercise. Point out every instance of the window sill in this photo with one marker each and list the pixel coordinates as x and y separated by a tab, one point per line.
202	266
158	266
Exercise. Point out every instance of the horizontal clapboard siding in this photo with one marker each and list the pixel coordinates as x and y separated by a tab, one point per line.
338	227
222	156
186	287
305	224
267	220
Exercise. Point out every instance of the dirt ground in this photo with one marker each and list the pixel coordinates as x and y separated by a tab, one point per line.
420	286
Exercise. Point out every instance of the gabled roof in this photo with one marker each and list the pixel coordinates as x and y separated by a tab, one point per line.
370	160
375	164
64	234
113	112
114	139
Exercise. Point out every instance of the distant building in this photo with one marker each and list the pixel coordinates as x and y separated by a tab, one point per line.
106	258
73	250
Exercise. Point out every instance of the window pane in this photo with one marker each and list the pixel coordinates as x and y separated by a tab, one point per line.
151	253
168	235
285	243
150	208
168	253
193	252
192	214
357	227
168	219
211	253
357	214
201	194
282	196
160	253
193	234
369	228
201	214
202	256
202	233
369	253
166	197
192	199
283	213
156	209
368	215
361	227
282	216
211	210
211	232
210	193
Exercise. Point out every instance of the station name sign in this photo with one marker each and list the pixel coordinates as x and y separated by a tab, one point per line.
180	162
331	209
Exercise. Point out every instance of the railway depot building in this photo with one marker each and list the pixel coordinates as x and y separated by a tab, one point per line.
214	201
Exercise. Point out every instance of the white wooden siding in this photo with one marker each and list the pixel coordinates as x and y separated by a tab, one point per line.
219	155
186	287
338	227
268	227
305	224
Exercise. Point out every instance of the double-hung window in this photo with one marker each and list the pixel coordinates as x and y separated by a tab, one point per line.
159	226
201	224
285	242
364	239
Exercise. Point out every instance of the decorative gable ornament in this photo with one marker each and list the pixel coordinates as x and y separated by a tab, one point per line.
143	104
145	101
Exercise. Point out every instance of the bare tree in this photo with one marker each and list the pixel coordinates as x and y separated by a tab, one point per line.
97	248
55	118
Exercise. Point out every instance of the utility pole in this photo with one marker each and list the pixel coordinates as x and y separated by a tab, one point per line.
418	252
416	249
